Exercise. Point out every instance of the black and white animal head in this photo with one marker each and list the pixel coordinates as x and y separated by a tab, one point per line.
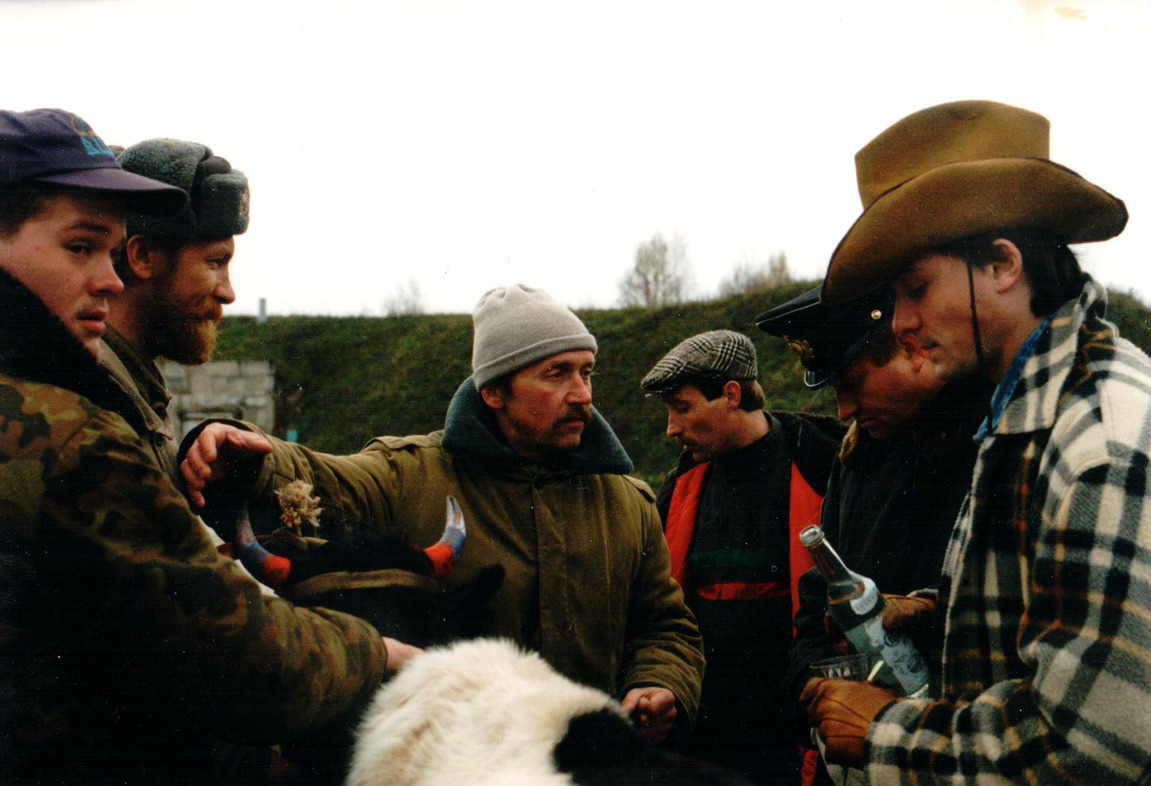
485	712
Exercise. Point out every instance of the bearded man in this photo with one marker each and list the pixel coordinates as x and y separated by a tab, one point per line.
175	273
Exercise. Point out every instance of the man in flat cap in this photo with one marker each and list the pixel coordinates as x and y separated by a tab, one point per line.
903	468
1046	586
746	483
128	645
176	281
542	481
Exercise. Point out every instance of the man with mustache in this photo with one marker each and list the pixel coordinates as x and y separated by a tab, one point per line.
176	283
746	483
542	481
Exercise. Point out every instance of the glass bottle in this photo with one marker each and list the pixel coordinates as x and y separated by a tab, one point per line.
857	606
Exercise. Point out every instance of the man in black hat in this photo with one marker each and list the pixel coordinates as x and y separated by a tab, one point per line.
127	643
176	278
746	483
903	468
1046	584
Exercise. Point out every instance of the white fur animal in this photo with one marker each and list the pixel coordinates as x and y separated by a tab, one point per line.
477	712
484	712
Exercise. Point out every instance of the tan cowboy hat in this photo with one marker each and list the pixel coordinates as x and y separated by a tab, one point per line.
955	170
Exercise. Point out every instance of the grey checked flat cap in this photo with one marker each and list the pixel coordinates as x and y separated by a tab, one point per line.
717	355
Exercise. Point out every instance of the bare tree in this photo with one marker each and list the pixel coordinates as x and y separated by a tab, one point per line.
660	274
405	299
749	275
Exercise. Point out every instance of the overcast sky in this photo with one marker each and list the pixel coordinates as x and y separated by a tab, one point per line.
464	145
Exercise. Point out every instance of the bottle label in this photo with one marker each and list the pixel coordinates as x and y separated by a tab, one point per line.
866	600
905	661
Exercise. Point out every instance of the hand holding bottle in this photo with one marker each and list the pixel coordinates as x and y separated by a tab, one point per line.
858	609
913	615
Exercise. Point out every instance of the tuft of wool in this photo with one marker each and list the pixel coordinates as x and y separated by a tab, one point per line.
299	509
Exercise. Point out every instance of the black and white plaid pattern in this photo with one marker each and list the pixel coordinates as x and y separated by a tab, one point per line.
1046	673
715	355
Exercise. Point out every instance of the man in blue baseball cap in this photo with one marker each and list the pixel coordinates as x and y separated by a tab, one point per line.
128	646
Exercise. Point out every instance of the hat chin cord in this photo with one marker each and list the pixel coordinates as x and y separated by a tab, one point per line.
975	322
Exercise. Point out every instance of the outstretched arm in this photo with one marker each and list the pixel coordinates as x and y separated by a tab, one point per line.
213	454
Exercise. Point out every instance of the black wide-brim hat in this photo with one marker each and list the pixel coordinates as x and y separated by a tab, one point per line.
956	170
827	338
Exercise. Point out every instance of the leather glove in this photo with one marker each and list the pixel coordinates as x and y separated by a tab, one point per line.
915	616
840	711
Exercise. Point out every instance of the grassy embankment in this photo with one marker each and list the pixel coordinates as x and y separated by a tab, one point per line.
343	380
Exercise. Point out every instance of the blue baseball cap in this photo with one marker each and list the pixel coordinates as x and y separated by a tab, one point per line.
57	147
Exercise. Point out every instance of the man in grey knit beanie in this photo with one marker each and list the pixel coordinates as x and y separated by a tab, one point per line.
542	480
516	326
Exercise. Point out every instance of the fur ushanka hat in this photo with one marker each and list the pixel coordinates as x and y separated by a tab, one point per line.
956	170
218	195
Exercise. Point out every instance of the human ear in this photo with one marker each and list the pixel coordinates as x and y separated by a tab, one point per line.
493	396
142	257
1007	267
732	393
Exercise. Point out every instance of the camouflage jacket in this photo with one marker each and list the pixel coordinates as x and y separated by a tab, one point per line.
126	641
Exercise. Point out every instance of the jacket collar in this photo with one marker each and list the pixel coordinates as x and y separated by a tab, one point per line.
145	375
471	430
35	345
1034	403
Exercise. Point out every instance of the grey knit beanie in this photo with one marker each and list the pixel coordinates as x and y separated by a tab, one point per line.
218	195
516	326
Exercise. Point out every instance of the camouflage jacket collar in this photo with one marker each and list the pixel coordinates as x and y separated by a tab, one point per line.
36	346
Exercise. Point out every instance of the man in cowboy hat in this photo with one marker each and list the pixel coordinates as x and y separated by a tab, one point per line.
1045	596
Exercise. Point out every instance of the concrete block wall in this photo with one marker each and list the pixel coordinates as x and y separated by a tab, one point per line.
221	389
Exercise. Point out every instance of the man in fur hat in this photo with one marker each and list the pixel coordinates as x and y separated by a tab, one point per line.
1046	589
175	274
128	645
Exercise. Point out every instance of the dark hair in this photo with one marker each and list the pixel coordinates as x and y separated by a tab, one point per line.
502	383
880	345
21	201
751	396
1050	266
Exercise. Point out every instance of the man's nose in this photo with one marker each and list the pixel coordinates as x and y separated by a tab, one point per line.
104	281
580	391
904	320
673	427
846	403
224	292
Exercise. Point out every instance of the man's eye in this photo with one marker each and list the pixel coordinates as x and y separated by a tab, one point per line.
78	248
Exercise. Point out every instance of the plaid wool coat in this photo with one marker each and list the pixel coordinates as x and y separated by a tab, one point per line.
1046	671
